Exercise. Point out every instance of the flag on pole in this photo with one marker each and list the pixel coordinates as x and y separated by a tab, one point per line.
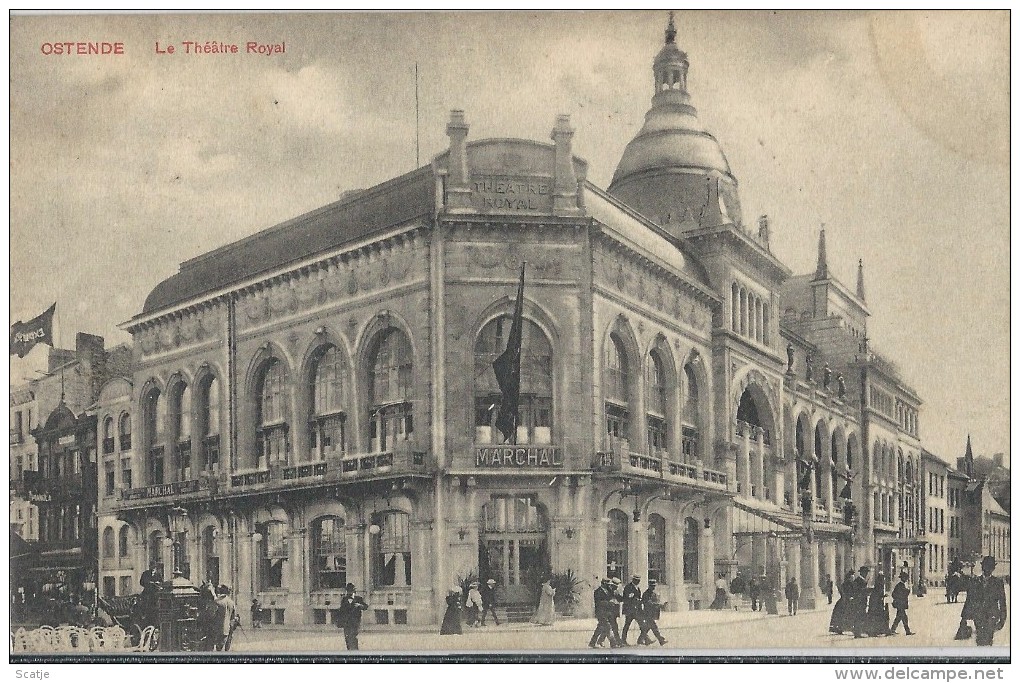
38	330
508	371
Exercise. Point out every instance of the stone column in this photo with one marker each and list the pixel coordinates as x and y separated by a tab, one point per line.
809	574
759	463
758	554
707	562
745	463
638	559
778	480
678	597
830	562
791	474
420	611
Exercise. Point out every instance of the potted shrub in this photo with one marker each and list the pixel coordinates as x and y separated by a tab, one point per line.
568	591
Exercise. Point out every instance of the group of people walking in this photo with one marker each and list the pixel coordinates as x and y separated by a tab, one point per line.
864	611
217	618
642	608
473	610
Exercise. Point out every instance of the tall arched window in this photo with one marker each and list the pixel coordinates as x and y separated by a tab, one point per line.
327	428
329	553
390	412
109	542
617	389
209	423
692	540
617	535
210	555
657	548
180	411
123	541
153	414
108	439
273	442
273	555
534	411
391	556
125	432
656	404
690	434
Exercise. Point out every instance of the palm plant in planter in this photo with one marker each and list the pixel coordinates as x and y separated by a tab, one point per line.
568	593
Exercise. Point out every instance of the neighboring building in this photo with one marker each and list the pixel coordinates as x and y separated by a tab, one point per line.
58	481
303	417
956	486
986	528
24	413
938	524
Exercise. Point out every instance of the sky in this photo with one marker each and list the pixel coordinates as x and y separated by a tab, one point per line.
891	129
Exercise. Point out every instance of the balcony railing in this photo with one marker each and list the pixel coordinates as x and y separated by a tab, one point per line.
618	459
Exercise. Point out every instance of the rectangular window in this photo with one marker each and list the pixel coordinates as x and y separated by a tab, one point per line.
125	585
656	434
616	421
125	473
111	479
392	556
109	586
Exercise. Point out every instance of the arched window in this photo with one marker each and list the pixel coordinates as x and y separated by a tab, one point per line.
656	404
273	555
735	308
657	548
617	389
391	549
109	542
272	431
180	411
210	555
690	416
329	553
209	423
617	535
125	432
327	428
692	539
123	541
153	419
513	546
108	439
534	412
390	413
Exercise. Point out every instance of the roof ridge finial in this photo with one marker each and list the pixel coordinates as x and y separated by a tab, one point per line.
670	30
860	279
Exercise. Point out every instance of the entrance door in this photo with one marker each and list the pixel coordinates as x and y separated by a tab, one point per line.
512	547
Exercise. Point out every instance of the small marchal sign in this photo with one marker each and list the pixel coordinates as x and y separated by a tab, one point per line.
518	456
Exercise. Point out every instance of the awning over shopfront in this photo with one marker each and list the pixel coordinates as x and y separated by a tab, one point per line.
751	520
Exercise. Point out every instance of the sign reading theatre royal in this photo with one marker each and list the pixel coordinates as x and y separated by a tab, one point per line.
506	193
518	456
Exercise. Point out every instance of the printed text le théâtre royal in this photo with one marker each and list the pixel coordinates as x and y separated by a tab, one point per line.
214	47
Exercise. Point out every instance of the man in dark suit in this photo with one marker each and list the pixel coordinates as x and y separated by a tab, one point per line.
607	610
488	592
900	602
351	607
651	610
986	603
859	602
631	605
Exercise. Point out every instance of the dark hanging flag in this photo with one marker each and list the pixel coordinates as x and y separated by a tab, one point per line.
508	371
38	330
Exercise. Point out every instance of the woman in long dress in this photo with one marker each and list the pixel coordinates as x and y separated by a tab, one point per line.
840	620
546	613
877	623
451	620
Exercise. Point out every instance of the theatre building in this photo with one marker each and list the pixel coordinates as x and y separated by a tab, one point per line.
316	404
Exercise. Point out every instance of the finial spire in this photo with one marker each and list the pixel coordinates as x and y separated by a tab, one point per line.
860	279
670	30
822	271
968	459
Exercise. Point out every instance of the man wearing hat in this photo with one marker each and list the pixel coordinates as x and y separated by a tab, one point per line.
226	617
859	602
900	602
651	610
607	609
631	605
986	603
489	601
349	613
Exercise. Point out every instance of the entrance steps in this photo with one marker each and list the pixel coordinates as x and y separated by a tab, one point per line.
516	614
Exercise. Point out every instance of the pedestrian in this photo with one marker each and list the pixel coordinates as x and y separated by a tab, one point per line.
986	603
737	587
858	611
792	595
607	607
451	619
877	620
256	613
489	601
209	626
651	610
901	602
545	615
754	592
226	617
827	587
351	607
473	605
840	620
631	606
614	613
721	600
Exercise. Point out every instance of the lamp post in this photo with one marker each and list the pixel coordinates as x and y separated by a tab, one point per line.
178	605
177	518
256	538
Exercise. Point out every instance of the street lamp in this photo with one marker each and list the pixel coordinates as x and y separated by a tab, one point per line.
176	521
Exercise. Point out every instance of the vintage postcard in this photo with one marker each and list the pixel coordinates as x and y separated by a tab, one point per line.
616	335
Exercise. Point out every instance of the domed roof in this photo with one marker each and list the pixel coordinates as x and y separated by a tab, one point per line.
61	419
672	138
